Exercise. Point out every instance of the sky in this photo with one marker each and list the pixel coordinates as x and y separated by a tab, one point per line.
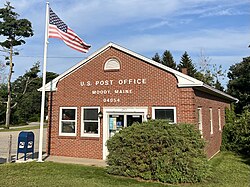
217	29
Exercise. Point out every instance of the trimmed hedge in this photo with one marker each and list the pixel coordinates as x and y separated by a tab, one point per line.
157	150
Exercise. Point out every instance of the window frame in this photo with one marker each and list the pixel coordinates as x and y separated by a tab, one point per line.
60	122
162	107
200	124
219	119
115	65
82	122
211	121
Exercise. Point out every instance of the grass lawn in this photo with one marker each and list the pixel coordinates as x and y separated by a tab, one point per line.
22	128
228	170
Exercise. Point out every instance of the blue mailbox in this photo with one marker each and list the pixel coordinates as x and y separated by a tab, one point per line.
25	143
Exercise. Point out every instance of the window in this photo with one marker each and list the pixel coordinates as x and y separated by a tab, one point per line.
219	118
68	121
90	122
168	113
112	64
211	120
200	120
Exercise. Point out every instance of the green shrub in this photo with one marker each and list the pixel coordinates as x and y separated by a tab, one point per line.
157	150
236	133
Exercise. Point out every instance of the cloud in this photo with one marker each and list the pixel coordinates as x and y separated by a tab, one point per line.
157	25
225	12
95	14
212	40
224	47
144	26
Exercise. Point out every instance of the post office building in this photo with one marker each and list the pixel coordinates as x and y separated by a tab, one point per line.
114	87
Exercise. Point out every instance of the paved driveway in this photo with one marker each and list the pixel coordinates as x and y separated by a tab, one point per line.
4	138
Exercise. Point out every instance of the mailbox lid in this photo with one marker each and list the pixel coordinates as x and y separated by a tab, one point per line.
26	135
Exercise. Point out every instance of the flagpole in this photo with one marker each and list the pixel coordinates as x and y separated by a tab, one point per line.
40	154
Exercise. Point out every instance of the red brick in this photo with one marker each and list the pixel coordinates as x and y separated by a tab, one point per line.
161	90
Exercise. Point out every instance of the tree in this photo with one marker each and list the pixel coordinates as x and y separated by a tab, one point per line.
3	93
168	60
3	99
2	73
186	62
14	30
211	74
238	85
236	132
157	58
26	100
26	97
204	72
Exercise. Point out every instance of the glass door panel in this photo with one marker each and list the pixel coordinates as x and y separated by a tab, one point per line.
116	122
133	118
121	120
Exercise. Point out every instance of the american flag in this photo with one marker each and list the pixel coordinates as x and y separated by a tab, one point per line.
58	29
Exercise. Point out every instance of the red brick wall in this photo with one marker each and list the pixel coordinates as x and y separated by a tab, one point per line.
205	102
160	90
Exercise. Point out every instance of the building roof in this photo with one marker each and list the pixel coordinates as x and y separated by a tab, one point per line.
183	79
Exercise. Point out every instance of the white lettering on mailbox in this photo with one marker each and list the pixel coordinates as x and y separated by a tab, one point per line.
30	144
21	145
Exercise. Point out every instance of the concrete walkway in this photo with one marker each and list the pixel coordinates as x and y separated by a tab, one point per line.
73	160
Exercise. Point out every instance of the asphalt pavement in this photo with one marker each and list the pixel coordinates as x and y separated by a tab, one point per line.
4	141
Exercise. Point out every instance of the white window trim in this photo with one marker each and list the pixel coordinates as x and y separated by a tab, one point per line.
160	107
115	64
219	118
199	110
82	123
211	121
60	122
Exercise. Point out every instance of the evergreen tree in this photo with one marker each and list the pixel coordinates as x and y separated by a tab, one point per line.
168	60
14	30
157	58
186	62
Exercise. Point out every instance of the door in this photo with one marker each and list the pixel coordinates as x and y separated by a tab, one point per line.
116	118
117	121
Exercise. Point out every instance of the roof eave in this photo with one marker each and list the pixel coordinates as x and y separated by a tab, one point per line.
219	93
